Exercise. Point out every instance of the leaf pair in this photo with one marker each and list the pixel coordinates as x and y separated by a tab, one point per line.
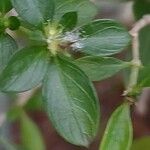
69	96
100	37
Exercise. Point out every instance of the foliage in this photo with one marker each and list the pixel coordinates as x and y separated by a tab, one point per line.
60	28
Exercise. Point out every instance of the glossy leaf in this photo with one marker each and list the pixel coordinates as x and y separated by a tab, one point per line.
141	144
141	8
25	70
103	37
30	135
71	102
8	47
79	6
118	133
34	12
5	6
99	68
69	20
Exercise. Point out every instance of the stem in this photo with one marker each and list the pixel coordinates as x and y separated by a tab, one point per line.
136	62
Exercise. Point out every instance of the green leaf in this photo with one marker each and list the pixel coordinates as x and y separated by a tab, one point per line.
5	6
144	38
99	68
34	12
37	38
71	102
8	47
118	133
2	26
14	113
144	77
30	134
69	20
141	8
103	37
141	144
25	70
79	6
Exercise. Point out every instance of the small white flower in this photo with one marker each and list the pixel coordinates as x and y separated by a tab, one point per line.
71	37
77	45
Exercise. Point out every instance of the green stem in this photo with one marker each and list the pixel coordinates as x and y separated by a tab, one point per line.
136	62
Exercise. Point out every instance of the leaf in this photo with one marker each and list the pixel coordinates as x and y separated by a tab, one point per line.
25	70
144	38
8	47
118	133
71	102
99	68
141	144
69	20
79	6
30	134
141	8
37	38
14	113
5	6
34	12
103	38
144	77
